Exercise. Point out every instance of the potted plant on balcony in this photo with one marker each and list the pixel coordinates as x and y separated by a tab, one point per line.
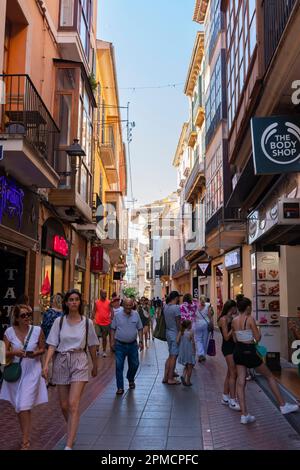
93	82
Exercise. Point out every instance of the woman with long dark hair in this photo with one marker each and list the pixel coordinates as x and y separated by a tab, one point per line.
246	334
228	345
69	339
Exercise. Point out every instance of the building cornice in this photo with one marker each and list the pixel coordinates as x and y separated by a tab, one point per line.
179	150
200	11
195	64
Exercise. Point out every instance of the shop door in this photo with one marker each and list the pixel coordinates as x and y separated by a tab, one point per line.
12	284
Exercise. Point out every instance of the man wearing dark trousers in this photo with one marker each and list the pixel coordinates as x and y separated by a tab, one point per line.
125	326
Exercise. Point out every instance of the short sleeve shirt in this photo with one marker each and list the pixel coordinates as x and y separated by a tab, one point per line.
71	337
126	326
170	313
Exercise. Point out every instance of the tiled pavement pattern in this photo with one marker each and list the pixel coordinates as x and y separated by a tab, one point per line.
156	416
48	425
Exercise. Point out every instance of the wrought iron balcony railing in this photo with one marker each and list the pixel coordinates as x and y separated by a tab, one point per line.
23	113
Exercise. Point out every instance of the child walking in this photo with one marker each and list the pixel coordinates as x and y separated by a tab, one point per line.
187	351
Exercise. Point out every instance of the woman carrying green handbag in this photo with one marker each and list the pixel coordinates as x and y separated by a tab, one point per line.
23	385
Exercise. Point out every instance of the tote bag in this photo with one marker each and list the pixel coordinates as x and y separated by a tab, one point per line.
211	348
160	328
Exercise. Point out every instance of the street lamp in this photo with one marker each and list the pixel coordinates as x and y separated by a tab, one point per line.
75	150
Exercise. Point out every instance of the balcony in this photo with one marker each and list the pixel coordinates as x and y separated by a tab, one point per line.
71	205
195	181
29	134
226	229
199	116
276	16
73	36
180	267
191	135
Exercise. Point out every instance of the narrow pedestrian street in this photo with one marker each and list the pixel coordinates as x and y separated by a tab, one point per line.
156	416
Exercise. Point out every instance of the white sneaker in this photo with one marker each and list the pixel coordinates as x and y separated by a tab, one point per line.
68	448
225	399
247	419
104	354
289	408
233	405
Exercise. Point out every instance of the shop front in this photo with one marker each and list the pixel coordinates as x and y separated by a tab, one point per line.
18	245
55	250
274	234
233	264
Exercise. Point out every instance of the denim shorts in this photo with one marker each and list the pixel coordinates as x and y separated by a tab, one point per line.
172	345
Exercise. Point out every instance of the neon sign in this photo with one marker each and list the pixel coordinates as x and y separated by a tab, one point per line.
60	245
11	200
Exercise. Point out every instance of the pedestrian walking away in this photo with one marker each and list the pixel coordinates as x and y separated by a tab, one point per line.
25	344
246	334
188	308
187	351
201	326
102	315
125	327
70	338
172	316
144	314
228	345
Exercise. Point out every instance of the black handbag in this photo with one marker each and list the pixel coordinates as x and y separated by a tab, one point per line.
13	371
160	328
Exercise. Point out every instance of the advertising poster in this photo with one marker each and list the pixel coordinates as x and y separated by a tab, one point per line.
266	298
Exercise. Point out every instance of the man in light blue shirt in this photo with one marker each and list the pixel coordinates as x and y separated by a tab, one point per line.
125	326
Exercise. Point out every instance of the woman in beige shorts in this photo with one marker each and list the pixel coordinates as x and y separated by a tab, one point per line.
69	339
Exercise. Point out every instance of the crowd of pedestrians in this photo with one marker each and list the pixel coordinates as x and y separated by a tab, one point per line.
68	338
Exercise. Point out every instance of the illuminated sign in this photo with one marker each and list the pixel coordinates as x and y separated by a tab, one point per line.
60	245
233	259
11	200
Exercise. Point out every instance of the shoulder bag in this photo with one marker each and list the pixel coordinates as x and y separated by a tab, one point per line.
13	371
160	328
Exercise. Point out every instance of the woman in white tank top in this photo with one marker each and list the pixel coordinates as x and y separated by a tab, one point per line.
245	334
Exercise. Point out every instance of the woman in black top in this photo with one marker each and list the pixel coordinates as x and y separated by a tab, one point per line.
228	345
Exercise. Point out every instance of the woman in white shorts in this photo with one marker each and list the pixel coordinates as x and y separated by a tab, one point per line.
69	339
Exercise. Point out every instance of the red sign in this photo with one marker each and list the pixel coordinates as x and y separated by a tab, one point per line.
97	258
60	245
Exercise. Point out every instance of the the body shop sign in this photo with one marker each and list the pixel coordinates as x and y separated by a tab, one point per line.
276	144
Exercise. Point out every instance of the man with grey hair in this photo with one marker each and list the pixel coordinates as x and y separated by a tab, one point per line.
125	326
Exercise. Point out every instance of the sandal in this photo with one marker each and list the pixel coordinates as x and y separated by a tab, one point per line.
176	382
120	391
25	445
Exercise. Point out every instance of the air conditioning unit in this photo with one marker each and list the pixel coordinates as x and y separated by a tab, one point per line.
289	211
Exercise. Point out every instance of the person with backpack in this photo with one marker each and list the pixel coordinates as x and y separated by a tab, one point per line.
55	311
69	339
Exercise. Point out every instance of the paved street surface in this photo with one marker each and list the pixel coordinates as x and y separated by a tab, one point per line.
156	416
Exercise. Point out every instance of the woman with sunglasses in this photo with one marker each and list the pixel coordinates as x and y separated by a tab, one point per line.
70	337
25	343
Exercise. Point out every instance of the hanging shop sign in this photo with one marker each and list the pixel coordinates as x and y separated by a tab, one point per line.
233	259
117	276
60	245
97	259
276	144
204	269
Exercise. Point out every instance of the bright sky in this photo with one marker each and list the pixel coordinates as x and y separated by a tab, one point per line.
153	42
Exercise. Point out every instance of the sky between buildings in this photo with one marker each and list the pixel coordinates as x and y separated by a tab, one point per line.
153	42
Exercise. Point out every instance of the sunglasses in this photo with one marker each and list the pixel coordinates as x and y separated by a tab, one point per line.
25	315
